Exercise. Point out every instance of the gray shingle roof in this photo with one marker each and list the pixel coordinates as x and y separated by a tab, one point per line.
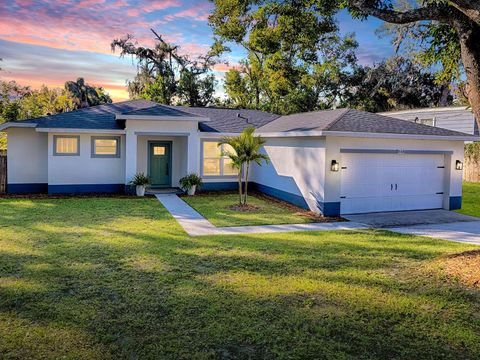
309	121
227	120
160	110
235	120
349	120
95	117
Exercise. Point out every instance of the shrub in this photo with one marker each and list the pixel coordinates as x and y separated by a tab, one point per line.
189	181
140	179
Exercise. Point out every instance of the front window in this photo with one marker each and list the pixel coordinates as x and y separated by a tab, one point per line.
66	145
214	164
105	146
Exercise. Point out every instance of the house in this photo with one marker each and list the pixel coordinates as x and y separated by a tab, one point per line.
458	118
334	161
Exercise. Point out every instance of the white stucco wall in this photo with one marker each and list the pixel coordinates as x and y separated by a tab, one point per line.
334	144
83	169
27	160
297	166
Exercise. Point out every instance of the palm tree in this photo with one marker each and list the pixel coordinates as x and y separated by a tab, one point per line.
246	148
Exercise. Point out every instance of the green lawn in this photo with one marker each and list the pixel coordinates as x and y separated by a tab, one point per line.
216	209
117	278
471	199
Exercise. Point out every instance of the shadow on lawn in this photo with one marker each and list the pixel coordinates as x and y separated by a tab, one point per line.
112	278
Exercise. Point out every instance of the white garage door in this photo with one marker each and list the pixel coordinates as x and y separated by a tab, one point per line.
391	182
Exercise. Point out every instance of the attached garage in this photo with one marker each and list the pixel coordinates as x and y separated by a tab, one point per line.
344	161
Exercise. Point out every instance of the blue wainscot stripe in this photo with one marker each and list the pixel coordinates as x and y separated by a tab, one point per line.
27	188
86	188
211	186
129	189
455	202
282	195
329	208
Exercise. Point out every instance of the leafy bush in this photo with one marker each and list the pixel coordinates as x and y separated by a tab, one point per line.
190	180
140	179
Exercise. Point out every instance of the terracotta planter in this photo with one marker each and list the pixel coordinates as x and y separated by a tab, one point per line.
140	189
191	191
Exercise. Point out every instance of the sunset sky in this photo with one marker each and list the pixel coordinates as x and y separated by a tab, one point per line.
49	42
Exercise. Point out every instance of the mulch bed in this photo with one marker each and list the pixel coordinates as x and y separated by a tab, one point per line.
464	267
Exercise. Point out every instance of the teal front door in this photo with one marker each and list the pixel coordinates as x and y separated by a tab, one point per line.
160	163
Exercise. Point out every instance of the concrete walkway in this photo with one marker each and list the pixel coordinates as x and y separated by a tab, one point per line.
464	232
196	225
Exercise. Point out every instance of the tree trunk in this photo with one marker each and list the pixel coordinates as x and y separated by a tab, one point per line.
470	50
240	186
246	183
444	97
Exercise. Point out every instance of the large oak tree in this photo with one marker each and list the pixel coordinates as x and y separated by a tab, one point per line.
453	33
462	16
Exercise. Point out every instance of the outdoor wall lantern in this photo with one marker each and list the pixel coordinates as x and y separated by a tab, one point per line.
335	165
459	165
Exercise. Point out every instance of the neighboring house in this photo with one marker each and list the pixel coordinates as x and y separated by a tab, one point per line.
334	162
457	118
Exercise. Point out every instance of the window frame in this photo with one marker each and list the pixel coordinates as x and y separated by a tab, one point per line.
434	122
420	120
202	158
56	137
105	156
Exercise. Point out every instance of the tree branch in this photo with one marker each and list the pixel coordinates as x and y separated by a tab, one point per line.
471	8
431	12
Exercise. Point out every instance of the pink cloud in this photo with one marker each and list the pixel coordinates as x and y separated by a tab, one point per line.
200	12
222	67
153	6
89	25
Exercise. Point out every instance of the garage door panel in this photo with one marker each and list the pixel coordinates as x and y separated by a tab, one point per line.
391	182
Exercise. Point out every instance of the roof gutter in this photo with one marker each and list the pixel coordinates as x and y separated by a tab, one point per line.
7	125
82	131
291	134
465	137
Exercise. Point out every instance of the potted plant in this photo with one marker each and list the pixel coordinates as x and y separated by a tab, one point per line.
140	181
190	183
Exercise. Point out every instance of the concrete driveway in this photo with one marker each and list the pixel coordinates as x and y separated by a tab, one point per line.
465	232
409	218
439	224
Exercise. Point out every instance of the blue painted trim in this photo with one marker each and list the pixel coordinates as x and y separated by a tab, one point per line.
86	188
212	186
455	202
129	189
282	195
27	188
329	208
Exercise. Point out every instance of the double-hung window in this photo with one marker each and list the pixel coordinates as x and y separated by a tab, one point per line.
215	162
64	145
105	146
